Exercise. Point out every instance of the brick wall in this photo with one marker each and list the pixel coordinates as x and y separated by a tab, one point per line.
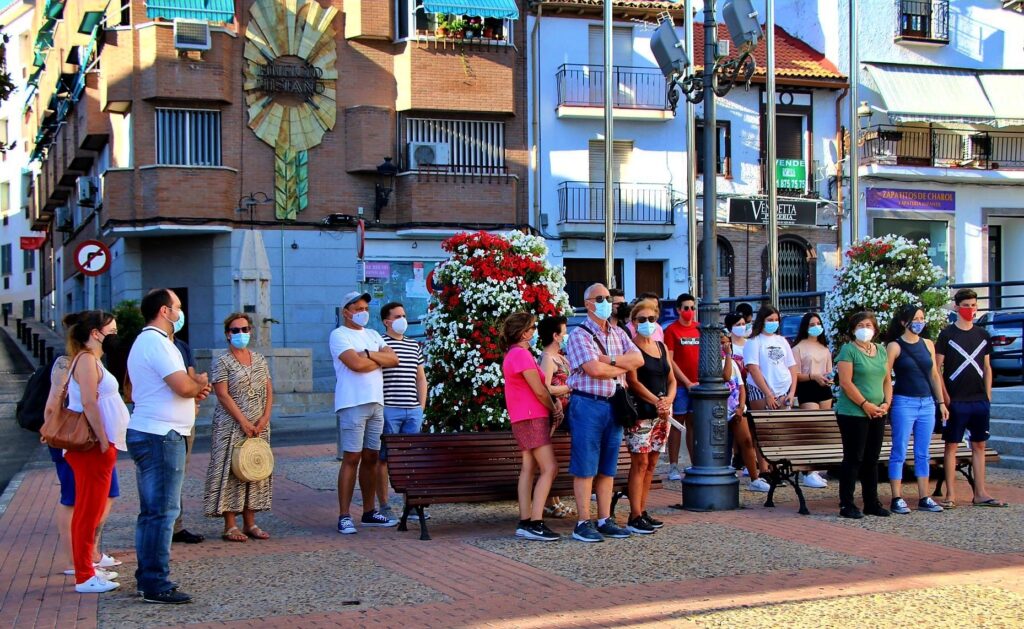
454	199
369	19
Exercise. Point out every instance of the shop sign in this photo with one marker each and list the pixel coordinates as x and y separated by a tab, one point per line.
790	174
378	270
920	200
754	211
32	243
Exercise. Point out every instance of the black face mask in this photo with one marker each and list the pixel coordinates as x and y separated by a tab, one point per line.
622	311
110	343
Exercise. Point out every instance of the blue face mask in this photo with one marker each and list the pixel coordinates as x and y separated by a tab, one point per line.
603	310
771	327
535	338
917	326
240	340
180	323
815	331
564	342
646	328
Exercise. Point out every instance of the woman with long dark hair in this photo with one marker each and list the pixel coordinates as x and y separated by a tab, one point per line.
531	411
814	376
917	390
771	368
93	391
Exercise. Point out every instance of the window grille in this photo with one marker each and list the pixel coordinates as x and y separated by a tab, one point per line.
186	137
476	147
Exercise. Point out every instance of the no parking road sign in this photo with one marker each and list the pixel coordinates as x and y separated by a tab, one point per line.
92	258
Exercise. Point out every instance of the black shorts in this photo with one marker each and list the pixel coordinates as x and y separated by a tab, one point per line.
972	416
812	392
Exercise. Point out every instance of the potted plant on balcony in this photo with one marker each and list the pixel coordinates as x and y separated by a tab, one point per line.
442	26
457	28
488	32
473	27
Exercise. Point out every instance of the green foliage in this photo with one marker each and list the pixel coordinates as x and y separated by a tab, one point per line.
129	320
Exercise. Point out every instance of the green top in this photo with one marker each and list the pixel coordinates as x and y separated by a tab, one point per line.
868	376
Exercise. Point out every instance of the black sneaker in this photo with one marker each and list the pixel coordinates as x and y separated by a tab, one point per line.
585	532
639	525
539	531
169	597
376	518
655	524
187	537
876	510
523	528
850	512
613	530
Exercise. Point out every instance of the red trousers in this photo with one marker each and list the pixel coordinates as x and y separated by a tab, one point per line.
93	470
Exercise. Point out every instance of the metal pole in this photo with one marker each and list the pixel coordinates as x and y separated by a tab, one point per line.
609	151
773	193
691	165
710	484
854	126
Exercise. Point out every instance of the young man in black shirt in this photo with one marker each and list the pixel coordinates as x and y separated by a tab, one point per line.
962	357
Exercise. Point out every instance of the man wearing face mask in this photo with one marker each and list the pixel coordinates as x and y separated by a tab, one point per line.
599	356
620	309
359	354
165	396
682	339
405	392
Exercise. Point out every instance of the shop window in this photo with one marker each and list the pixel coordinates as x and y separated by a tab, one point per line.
936	232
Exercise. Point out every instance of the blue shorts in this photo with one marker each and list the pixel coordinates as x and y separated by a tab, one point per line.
67	479
683	403
400	421
972	416
596	438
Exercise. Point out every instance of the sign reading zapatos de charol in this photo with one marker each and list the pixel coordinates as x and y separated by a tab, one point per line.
902	199
755	212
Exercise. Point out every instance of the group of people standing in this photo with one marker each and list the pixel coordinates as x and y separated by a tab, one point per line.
164	391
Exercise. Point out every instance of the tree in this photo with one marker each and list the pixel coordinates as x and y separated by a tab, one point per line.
487	278
883	275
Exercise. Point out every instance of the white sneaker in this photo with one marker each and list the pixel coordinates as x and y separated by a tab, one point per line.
813	480
107	575
106	561
744	472
759	485
96	585
346	526
673	473
415	517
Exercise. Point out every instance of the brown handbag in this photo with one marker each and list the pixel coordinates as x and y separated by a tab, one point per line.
67	429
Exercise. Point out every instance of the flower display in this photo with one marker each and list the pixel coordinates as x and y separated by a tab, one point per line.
487	278
882	275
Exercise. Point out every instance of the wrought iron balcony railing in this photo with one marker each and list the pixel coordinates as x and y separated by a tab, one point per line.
943	148
635	88
634	203
925	21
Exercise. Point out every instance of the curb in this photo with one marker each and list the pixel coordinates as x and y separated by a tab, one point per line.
12	488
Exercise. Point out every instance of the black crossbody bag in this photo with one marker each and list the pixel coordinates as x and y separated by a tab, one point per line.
623	405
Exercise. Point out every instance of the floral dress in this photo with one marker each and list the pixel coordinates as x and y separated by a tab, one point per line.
247	386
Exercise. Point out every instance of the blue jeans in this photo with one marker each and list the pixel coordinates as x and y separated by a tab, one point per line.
596	438
910	415
400	421
159	472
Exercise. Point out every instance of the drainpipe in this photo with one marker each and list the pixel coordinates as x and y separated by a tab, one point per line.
535	124
839	176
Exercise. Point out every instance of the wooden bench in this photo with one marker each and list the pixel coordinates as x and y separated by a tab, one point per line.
797	441
473	467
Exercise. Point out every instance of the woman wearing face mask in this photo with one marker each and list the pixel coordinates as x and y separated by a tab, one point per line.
736	326
245	397
864	398
814	376
916	391
653	386
771	368
552	336
93	391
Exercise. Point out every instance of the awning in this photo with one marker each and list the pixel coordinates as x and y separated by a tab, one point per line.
501	9
208	10
929	94
1006	94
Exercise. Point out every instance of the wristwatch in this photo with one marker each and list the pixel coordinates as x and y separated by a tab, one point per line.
613	361
367	352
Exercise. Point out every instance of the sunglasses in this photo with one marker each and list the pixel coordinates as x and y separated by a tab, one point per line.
688	308
600	299
650	319
242	330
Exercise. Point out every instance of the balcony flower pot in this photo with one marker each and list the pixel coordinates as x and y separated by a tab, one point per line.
440	32
890	136
488	33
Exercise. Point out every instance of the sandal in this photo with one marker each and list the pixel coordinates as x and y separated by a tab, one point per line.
234	535
948	504
560	510
256	532
991	502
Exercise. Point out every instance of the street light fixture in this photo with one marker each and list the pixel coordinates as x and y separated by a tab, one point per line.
710	483
382	190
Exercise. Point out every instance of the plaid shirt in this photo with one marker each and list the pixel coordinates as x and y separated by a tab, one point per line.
582	348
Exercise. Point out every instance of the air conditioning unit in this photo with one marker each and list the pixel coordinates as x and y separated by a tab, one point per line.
88	190
191	35
427	155
64	220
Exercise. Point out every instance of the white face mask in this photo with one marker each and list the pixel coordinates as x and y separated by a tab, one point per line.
739	331
361	318
864	334
400	325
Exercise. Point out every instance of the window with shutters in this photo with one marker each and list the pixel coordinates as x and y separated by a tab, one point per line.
790	144
622	152
5	198
723	156
625	79
469	147
188	137
28	260
5	260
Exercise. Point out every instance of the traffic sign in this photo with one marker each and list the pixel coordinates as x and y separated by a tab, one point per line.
92	258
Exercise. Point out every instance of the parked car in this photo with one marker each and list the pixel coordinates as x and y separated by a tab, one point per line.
790	326
1006	330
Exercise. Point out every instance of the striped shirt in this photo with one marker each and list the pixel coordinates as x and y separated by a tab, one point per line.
581	348
400	382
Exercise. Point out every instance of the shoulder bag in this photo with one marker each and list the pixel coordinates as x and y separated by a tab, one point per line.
67	429
623	405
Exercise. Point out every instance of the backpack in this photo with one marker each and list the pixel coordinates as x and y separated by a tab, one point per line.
29	410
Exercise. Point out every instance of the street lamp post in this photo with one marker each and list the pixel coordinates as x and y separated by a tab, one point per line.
710	483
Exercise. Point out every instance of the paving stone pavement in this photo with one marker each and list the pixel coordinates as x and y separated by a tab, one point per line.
751	567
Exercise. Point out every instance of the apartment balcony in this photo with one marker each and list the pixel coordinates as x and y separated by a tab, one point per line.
641	209
922	22
170	191
164	74
455	195
963	153
640	93
432	77
92	126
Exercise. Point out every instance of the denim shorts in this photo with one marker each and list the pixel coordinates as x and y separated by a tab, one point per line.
400	421
972	416
360	427
67	480
596	438
683	403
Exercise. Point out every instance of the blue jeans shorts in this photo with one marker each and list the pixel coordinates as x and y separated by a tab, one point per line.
972	416
67	479
683	403
400	421
596	438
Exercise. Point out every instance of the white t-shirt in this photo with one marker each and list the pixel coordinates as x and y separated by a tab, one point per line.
353	388
158	409
773	356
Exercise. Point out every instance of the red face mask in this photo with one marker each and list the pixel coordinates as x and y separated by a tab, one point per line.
686	315
967	313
